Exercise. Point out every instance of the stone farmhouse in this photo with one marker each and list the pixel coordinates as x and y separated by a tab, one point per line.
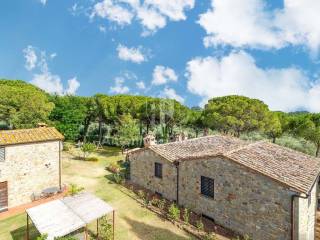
261	189
29	163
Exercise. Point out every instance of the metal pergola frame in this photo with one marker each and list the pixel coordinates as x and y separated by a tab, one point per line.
62	217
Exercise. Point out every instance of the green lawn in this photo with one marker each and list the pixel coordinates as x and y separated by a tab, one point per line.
132	220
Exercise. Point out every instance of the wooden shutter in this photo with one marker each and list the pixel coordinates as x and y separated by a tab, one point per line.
3	196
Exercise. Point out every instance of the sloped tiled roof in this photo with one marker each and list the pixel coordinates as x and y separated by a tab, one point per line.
288	167
43	134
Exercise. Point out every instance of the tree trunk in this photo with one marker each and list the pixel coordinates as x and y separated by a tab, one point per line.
318	149
273	139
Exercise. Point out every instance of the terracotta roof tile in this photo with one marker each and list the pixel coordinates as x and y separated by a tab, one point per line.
10	137
291	168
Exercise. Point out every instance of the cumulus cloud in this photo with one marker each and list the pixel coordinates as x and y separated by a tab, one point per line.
152	14
171	94
31	57
250	23
286	89
141	85
119	87
36	61
131	54
163	75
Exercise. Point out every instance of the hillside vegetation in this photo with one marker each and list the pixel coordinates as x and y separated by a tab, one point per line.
123	120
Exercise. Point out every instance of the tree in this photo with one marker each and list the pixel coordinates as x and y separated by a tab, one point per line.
87	148
235	114
127	130
273	126
70	114
23	105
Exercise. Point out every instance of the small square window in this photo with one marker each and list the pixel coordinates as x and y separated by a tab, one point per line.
2	154
207	187
158	170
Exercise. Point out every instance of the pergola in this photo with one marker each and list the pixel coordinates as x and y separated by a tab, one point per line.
61	217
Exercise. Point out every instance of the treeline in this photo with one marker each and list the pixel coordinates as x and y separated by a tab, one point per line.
124	119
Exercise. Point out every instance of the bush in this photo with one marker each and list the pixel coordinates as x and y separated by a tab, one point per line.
117	178
162	204
74	189
155	201
210	236
141	194
186	215
114	168
105	229
66	238
42	237
92	159
173	212
199	225
66	147
87	148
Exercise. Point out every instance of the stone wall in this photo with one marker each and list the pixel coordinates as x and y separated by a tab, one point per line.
305	210
142	173
29	168
244	201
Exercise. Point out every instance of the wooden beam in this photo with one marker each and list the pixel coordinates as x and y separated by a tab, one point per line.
113	221
28	227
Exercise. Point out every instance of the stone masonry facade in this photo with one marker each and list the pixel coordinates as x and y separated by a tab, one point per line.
29	169
245	201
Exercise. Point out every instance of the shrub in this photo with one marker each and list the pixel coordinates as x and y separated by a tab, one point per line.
199	225
42	237
66	147
87	148
92	159
74	189
66	238
162	204
173	212
117	178
114	168
155	201
186	215
210	236
246	237
105	229
141	194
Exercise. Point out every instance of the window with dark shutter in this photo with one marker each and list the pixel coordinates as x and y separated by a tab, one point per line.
158	170
207	187
2	154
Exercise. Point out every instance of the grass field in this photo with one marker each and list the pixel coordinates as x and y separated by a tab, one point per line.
132	220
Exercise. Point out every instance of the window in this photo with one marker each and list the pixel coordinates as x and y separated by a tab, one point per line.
158	170
2	154
207	186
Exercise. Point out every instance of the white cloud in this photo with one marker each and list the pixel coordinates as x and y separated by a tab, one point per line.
102	29
152	14
286	89
119	88
31	57
162	75
114	12
37	61
141	85
131	54
250	23
171	94
43	2
73	86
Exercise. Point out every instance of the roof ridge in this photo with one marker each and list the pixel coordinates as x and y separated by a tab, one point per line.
249	145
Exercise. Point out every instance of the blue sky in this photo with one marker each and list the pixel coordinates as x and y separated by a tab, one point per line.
189	50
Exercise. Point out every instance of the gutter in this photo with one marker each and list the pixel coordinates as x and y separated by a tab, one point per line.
176	163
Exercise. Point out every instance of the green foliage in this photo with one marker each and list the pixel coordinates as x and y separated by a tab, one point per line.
186	215
105	229
161	203
66	238
92	159
210	236
127	130
114	168
23	105
199	225
74	189
141	194
236	114
118	178
42	237
87	148
173	212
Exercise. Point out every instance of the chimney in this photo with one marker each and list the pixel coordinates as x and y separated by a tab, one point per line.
149	140
41	125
